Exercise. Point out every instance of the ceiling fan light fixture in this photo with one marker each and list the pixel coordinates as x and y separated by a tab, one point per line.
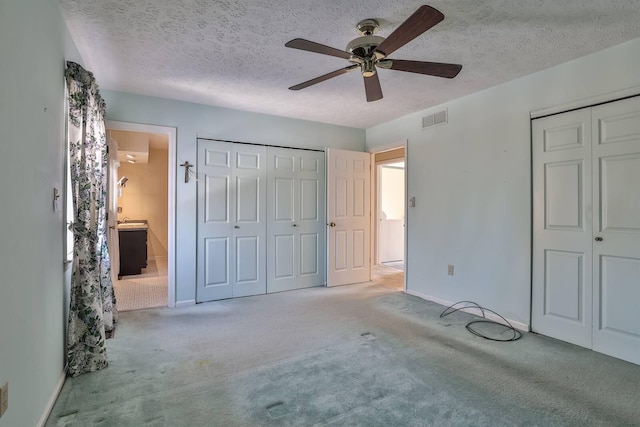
368	67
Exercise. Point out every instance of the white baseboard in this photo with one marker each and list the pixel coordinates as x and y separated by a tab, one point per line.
53	398
185	303
516	324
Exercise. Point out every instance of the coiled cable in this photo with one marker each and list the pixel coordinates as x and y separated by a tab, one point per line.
516	334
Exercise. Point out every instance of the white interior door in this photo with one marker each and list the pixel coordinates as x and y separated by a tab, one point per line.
296	219
231	220
616	220
348	216
586	247
561	297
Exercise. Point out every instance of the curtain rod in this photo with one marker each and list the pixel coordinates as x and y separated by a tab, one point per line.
262	145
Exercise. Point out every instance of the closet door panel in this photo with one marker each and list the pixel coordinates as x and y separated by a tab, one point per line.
311	219
216	208
216	267
616	242
561	295
231	225
295	219
250	225
284	257
309	249
309	199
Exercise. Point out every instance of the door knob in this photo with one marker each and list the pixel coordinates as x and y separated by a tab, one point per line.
332	224
294	225
236	226
599	239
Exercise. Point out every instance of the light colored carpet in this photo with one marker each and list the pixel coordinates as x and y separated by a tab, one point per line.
398	265
388	277
145	290
359	355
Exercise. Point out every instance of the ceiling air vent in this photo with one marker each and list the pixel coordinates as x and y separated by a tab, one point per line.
434	119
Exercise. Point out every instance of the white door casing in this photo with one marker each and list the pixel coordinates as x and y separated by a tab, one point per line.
348	217
586	257
231	220
295	219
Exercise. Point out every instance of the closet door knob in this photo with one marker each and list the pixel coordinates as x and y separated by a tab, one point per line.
599	239
294	225
332	224
236	226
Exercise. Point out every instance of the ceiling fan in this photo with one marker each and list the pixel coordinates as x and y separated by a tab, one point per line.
368	52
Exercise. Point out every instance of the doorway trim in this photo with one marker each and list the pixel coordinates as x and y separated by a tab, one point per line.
403	143
171	252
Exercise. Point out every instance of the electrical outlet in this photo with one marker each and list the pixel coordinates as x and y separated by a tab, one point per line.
119	209
450	270
4	398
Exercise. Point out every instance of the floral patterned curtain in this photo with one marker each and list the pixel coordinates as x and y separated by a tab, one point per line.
92	306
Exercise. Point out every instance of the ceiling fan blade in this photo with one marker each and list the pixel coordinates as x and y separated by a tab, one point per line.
310	46
421	20
372	88
438	69
325	77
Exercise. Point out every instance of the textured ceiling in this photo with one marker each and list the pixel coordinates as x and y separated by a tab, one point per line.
231	53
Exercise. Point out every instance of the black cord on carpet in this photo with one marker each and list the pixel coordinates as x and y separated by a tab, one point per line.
470	304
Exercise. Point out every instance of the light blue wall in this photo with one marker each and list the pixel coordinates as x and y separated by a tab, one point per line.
32	287
194	120
472	180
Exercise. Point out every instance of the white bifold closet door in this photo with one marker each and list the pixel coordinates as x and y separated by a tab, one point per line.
232	233
586	242
261	220
295	219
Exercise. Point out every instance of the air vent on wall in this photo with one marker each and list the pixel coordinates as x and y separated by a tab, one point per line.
434	119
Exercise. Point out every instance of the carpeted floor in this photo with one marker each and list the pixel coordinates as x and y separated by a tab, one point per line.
388	277
398	265
145	290
359	355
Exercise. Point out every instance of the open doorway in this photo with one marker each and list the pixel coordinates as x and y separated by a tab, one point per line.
141	217
389	217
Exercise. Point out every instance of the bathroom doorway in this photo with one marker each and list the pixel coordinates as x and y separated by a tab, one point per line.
142	223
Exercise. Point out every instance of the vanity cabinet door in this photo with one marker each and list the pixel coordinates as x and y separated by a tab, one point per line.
133	251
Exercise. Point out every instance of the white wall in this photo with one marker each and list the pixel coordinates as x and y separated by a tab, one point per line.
194	120
472	180
32	279
392	192
391	220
